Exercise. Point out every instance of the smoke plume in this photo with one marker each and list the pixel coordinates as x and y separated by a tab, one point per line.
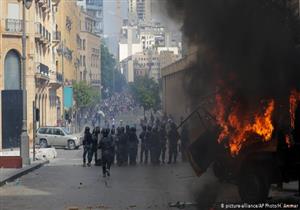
247	46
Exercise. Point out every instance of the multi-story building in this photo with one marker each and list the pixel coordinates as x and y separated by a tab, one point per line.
139	10
41	73
128	46
94	8
89	50
66	51
151	62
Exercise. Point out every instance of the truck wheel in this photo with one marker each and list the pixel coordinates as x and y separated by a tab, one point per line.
253	187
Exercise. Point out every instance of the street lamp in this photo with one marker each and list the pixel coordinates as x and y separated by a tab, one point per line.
24	146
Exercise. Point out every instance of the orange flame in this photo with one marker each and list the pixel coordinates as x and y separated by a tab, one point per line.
294	98
288	141
237	129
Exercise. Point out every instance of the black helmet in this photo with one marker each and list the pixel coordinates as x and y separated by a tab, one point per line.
87	129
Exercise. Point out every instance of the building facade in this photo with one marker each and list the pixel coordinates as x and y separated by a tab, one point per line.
140	10
42	76
94	8
67	54
90	51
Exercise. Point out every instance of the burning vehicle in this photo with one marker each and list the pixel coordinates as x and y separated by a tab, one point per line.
248	58
251	150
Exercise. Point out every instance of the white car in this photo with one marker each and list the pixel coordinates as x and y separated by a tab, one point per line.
57	137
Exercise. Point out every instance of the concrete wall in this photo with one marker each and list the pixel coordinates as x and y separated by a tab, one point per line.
175	97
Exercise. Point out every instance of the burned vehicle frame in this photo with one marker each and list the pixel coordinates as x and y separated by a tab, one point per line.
258	164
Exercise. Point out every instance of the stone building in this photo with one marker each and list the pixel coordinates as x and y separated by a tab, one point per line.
66	52
89	50
42	75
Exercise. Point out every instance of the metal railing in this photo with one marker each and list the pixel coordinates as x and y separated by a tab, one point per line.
95	82
59	77
13	25
56	36
42	69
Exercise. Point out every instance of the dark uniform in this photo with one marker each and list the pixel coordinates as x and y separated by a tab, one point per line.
147	143
87	146
143	143
154	146
126	151
114	138
122	147
95	135
173	138
132	146
162	143
106	145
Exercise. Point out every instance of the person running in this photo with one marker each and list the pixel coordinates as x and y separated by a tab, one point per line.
87	146
106	145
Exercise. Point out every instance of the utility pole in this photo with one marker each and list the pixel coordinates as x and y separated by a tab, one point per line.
63	78
24	146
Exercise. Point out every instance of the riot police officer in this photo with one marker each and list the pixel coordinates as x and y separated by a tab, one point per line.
173	138
106	145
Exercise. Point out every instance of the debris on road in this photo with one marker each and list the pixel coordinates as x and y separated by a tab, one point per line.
181	204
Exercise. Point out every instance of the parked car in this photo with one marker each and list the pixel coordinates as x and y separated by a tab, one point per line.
57	137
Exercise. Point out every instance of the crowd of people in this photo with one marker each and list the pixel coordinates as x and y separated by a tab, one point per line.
107	110
121	145
117	103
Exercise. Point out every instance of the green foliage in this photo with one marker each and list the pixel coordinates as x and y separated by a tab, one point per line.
85	95
111	78
146	92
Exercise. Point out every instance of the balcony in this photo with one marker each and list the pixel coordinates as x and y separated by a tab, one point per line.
57	81
42	34
56	38
41	2
96	83
42	72
13	25
44	4
38	31
55	2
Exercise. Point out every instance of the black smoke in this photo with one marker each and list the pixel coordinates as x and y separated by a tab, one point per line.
247	46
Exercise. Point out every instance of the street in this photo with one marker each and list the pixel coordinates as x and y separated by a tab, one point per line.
64	183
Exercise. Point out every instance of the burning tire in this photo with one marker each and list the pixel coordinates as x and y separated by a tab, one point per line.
254	186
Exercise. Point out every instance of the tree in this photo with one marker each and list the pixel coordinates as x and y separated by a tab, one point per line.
146	92
85	95
111	78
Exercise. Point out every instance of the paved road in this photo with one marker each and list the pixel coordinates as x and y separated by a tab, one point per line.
65	183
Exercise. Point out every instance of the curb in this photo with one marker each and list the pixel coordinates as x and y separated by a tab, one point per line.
22	172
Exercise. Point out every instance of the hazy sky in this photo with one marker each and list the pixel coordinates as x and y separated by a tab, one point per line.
110	16
112	28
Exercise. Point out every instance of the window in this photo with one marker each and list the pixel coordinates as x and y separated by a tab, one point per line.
12	71
13	11
49	131
58	132
42	130
83	43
